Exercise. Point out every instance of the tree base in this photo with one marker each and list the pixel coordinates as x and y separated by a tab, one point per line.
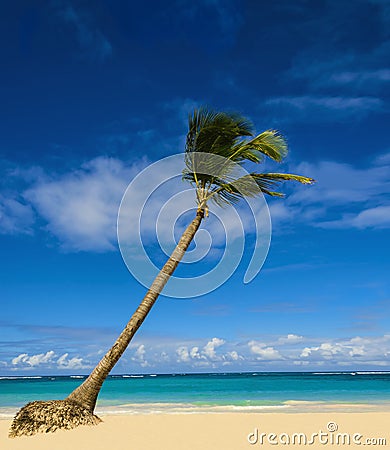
49	416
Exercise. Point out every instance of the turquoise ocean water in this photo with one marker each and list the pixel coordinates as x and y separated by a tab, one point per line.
202	392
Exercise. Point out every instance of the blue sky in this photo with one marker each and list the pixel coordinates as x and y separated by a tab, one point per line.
94	92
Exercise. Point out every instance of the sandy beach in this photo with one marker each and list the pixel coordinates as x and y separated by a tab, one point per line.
215	431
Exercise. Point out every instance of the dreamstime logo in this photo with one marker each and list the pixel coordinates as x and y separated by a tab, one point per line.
329	437
156	208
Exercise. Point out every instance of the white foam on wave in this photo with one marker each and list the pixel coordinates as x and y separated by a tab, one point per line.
373	373
183	408
334	373
19	378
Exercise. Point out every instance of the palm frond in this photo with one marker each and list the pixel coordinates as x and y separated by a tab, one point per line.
266	181
277	177
270	143
215	132
217	144
252	184
231	192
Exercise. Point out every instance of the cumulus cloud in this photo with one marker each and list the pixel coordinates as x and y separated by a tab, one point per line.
209	350
201	355
64	362
48	360
194	353
263	352
279	352
326	350
33	361
233	355
285	351
183	354
139	356
80	207
357	350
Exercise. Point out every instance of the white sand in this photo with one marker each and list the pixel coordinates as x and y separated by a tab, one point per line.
211	431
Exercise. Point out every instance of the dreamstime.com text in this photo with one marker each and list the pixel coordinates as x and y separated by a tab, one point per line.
330	436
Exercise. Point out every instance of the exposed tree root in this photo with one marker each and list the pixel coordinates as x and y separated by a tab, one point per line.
49	416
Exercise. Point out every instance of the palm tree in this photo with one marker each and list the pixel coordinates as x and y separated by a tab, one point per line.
217	143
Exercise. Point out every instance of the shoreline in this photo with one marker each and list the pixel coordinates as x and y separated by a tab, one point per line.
213	431
290	407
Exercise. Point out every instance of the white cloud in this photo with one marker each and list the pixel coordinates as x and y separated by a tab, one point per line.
279	352
48	360
194	353
357	351
325	350
81	207
378	217
363	194
263	352
139	356
23	357
340	183
201	356
64	362
33	361
374	217
183	354
346	352
307	351
209	350
290	339
234	355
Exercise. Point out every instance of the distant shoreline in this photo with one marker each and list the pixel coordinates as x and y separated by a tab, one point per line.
288	407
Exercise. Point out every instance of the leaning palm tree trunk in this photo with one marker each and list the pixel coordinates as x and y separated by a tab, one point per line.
78	408
86	394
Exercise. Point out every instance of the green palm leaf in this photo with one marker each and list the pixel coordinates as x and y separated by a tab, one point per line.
270	143
250	185
230	137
